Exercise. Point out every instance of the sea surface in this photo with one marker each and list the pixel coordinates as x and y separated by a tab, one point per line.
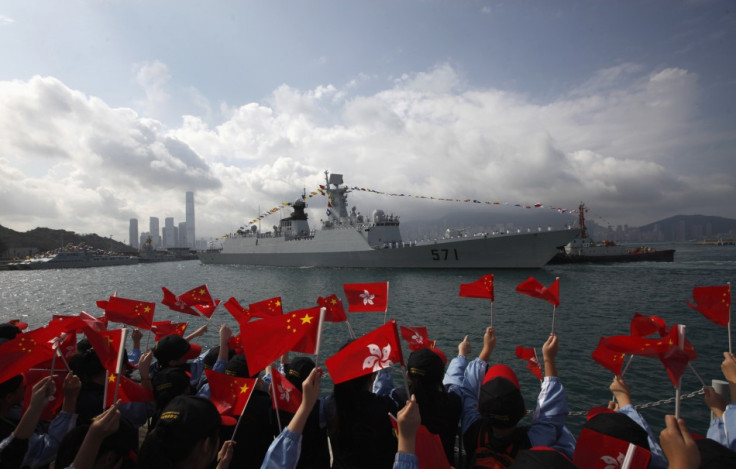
595	301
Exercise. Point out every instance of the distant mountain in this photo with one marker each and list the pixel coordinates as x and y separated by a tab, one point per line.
690	227
46	239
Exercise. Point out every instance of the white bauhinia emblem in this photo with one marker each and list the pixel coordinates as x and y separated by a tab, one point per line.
378	359
417	338
284	393
611	463
367	297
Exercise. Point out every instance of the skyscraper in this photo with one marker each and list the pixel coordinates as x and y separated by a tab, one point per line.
133	233
155	233
170	233
190	220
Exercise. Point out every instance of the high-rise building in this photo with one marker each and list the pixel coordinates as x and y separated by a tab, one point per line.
190	220
182	235
154	231
133	233
170	233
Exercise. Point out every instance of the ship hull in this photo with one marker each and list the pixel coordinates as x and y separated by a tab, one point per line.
340	248
73	264
660	255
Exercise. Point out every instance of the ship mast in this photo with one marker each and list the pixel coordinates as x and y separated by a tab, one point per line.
581	220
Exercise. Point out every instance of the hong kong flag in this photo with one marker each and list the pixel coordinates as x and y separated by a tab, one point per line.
417	337
481	288
532	287
334	310
366	297
285	396
374	351
532	362
267	308
596	450
132	312
176	304
714	303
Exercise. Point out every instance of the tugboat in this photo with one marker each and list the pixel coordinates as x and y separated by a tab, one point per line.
348	239
584	250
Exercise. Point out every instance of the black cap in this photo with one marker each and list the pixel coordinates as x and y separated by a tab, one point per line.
714	455
298	370
8	332
174	347
500	401
170	382
189	419
619	426
425	364
237	366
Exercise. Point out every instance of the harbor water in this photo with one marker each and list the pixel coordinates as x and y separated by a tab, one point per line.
595	301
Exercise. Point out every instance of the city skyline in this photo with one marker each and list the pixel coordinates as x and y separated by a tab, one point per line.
169	236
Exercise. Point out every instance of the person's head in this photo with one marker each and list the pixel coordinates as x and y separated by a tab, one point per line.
187	430
425	370
500	401
298	370
117	451
11	392
237	366
87	365
210	358
169	383
175	350
8	332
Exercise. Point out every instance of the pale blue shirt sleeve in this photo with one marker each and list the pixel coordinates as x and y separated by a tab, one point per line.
453	380
405	461
659	460
284	451
723	430
134	356
42	448
470	390
548	423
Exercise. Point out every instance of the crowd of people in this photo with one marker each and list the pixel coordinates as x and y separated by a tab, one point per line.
467	413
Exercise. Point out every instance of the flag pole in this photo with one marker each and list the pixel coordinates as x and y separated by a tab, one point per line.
243	412
104	394
55	346
119	365
554	315
730	348
697	375
273	398
627	365
406	380
350	330
678	389
319	335
491	313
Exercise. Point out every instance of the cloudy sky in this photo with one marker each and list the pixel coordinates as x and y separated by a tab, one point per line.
112	109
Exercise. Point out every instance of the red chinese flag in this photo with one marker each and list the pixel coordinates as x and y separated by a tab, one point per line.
197	296
366	297
265	340
266	308
176	304
31	377
713	302
106	345
417	337
163	328
595	450
238	312
676	358
334	310
608	359
643	326
132	312
285	396
633	345
129	390
532	362
26	350
308	344
481	288
532	287
230	394
19	324
374	351
428	448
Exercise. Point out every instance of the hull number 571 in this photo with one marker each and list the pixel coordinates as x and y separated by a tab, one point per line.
444	254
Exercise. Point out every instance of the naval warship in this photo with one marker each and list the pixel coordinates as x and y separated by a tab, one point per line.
347	239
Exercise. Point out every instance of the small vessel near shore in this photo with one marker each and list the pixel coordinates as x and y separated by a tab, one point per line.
149	255
583	250
348	239
76	257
